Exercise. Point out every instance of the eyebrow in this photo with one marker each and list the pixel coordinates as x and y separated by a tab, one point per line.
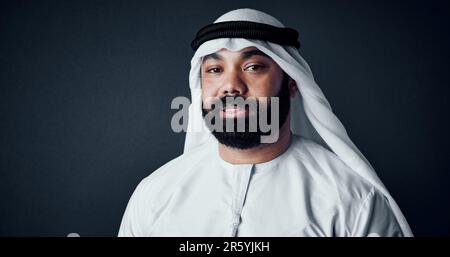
244	55
250	53
214	56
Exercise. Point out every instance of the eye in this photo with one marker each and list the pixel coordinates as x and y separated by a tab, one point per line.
254	67
214	70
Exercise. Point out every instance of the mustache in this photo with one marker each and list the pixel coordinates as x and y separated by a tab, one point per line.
229	101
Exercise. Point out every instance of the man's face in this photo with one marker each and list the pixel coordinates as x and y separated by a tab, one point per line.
252	76
247	73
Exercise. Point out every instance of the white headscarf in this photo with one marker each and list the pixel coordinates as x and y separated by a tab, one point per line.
311	114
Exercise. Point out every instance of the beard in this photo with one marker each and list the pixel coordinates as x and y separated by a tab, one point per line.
248	139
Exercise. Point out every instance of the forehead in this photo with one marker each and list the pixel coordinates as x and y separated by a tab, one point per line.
244	53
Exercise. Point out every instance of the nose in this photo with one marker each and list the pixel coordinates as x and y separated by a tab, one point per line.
233	85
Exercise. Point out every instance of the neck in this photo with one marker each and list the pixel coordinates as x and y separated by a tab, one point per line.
261	153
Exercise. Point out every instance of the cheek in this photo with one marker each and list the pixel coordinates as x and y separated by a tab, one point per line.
264	86
208	87
208	97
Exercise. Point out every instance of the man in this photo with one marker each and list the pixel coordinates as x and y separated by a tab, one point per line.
311	180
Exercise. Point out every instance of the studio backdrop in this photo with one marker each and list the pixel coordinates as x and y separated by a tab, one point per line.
86	88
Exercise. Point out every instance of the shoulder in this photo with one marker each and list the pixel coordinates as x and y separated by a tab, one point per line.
336	176
165	179
374	216
361	206
154	191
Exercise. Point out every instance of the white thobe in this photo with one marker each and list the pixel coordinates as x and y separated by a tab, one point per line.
306	191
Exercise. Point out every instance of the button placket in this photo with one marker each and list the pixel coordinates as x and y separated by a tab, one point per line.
242	175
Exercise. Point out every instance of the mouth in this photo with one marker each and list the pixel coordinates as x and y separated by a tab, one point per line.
234	112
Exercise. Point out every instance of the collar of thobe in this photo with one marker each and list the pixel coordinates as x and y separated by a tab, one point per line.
259	168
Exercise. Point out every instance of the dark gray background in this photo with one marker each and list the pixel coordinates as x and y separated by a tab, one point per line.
86	90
